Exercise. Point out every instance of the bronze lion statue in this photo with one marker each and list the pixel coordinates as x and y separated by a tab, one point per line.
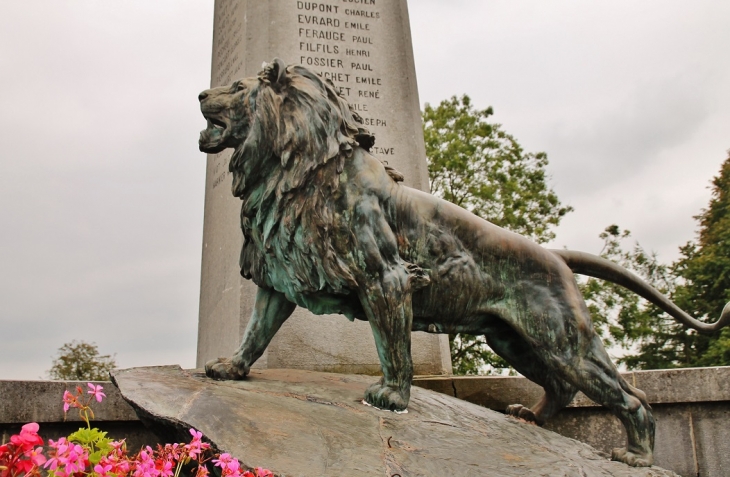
329	227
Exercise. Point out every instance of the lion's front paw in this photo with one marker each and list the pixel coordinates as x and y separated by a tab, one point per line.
225	369
631	458
522	412
386	397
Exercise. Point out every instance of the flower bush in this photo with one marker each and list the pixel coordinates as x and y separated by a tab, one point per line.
89	452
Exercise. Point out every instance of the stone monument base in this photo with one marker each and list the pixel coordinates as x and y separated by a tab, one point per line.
306	423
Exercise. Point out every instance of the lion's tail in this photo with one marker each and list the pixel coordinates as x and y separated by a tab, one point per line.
597	267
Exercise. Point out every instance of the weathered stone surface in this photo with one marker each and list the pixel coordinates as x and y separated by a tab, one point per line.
691	407
303	423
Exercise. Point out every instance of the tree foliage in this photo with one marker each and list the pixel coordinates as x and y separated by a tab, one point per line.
81	361
698	282
621	317
475	164
705	268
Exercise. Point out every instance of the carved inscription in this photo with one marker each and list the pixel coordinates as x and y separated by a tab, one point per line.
338	38
229	31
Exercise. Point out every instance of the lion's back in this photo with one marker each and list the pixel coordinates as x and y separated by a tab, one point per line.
473	264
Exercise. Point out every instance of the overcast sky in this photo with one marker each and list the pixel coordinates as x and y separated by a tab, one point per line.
101	181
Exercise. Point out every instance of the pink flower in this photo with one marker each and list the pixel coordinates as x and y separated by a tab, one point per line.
76	459
36	456
67	459
102	469
261	472
223	460
195	447
28	438
144	465
59	448
96	391
69	400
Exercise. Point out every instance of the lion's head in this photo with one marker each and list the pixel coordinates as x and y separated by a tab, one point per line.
286	113
291	133
227	116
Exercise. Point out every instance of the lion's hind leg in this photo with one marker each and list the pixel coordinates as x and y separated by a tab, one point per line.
516	351
599	379
558	394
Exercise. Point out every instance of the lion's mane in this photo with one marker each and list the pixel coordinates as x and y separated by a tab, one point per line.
287	173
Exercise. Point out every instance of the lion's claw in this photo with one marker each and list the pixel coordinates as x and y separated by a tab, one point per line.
386	397
225	369
522	412
630	458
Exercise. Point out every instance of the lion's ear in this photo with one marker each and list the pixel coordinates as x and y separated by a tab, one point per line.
274	72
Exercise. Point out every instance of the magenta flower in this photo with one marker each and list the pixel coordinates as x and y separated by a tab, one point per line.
69	400
102	470
36	456
28	437
230	467
195	447
223	460
144	466
167	468
60	448
96	391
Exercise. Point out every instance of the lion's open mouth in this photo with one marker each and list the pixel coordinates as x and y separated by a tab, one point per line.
213	138
215	123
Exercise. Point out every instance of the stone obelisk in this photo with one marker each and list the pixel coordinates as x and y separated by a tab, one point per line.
364	47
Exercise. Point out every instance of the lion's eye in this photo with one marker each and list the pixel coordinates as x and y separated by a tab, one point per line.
236	86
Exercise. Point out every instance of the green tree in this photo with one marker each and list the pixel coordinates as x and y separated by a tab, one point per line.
620	316
703	270
705	267
475	164
698	282
81	361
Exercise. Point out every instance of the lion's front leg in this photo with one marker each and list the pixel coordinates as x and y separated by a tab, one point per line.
387	304
271	310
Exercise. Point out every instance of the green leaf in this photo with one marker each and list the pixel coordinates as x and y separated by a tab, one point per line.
95	457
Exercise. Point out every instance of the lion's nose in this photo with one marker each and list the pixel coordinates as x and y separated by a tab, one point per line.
202	96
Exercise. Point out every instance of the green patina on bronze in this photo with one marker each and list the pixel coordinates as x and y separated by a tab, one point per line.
329	227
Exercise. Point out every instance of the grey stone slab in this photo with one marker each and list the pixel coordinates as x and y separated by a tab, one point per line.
710	429
674	444
683	385
22	402
42	401
662	386
364	47
303	423
596	427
